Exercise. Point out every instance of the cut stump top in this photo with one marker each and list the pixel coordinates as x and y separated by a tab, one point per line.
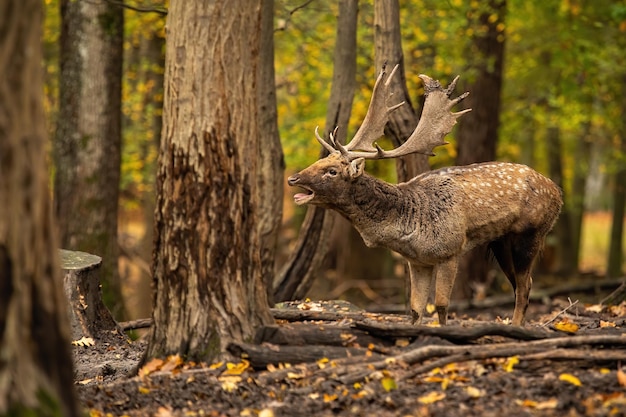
71	260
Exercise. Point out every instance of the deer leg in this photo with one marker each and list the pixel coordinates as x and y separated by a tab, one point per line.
502	250
445	274
420	276
526	248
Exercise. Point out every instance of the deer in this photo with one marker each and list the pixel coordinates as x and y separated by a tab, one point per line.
437	216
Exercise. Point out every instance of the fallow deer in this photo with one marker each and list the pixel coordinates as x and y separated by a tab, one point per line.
439	215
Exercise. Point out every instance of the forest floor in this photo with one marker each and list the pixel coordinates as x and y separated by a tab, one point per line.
330	359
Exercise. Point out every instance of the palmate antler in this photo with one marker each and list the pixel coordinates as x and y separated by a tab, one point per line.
436	122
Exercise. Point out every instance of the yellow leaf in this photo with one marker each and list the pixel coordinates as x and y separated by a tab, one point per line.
219	365
510	363
566	326
144	390
571	379
388	383
606	323
172	362
229	383
236	368
321	363
266	412
431	397
605	371
357	385
294	375
430	308
329	398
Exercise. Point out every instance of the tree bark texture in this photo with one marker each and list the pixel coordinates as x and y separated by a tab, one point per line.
207	260
36	367
271	166
477	132
88	135
297	275
402	122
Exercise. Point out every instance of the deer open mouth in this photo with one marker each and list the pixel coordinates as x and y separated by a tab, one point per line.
303	198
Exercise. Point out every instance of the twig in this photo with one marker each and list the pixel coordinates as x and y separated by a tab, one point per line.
157	10
561	312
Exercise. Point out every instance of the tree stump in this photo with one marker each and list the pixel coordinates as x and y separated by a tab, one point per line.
89	317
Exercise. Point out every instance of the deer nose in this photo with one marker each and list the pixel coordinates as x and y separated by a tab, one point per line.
293	179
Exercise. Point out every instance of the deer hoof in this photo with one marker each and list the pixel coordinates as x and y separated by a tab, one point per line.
416	318
442	312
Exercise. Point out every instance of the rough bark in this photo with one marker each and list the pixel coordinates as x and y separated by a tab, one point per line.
207	271
36	367
88	135
271	163
477	132
581	171
402	122
297	275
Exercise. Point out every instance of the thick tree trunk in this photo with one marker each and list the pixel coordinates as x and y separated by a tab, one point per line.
207	270
36	367
297	275
88	136
478	130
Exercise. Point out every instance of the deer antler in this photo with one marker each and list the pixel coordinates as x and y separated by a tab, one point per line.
373	126
436	121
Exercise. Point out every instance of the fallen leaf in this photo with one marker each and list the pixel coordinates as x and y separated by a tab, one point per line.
605	371
621	377
550	404
143	390
329	398
510	363
388	383
431	397
172	362
84	342
595	308
430	308
571	379
321	363
152	366
230	382
566	326
402	342
474	392
220	364
236	368
266	412
606	323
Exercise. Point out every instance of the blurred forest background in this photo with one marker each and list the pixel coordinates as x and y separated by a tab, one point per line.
562	112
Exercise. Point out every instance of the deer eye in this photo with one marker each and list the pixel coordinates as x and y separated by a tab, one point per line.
332	171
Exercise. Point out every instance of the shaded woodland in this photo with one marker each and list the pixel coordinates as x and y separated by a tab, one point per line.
170	129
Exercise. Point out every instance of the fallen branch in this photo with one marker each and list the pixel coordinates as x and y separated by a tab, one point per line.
453	333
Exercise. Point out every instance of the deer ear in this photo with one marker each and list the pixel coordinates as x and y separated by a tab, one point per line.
357	167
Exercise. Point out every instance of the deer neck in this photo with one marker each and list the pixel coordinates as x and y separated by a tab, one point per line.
380	211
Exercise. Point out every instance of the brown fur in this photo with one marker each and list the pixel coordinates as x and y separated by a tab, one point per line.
439	215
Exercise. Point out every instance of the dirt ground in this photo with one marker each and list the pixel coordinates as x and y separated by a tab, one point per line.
584	379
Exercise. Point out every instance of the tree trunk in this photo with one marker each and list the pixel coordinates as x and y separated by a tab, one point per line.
36	375
297	276
271	166
88	135
581	171
616	250
402	122
207	268
562	228
478	130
